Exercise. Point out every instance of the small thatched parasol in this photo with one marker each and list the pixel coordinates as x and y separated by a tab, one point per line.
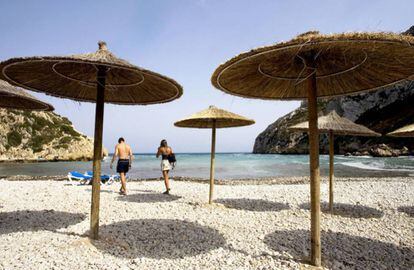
314	65
406	131
12	97
333	124
213	118
95	77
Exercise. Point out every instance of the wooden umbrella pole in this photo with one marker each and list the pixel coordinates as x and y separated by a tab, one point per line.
97	152
331	170
314	171
213	153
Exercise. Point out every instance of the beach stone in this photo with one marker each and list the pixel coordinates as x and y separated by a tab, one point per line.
188	234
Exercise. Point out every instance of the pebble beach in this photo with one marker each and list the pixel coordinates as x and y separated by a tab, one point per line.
44	225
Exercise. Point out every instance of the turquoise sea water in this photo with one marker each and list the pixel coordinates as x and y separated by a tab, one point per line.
229	166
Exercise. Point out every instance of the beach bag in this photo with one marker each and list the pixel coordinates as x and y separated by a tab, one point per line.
172	160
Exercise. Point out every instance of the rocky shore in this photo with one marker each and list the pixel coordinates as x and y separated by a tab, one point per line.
44	225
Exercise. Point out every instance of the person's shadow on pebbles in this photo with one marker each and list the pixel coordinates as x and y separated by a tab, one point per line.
148	197
348	210
157	238
31	220
257	205
342	251
409	210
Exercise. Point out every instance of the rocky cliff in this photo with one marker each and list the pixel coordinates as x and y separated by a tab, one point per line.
381	111
34	136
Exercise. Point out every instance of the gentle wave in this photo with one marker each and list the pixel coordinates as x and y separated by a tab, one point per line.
375	167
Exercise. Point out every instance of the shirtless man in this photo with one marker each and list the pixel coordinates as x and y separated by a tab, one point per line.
124	154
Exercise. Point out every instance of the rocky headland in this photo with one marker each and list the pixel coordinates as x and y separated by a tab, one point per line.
382	111
41	136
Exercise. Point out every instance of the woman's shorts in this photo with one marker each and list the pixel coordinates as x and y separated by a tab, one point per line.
165	165
122	166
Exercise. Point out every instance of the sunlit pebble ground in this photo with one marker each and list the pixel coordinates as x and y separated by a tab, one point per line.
43	225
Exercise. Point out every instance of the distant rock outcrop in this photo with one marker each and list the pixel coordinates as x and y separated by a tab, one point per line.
35	136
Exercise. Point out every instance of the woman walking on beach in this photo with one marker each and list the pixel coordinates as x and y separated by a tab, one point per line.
164	151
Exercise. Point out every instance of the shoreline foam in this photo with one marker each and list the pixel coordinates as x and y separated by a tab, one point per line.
279	180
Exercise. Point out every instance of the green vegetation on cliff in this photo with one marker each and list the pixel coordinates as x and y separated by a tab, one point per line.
41	135
42	130
13	139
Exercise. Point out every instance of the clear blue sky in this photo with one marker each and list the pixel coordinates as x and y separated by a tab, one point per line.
185	40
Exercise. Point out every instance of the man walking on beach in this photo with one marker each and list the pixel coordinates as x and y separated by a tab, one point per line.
124	154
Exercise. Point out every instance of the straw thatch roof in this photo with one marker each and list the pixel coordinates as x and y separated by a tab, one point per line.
406	131
344	64
338	125
12	97
206	118
74	77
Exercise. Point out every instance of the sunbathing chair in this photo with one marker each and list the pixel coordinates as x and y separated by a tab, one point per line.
82	179
86	178
105	179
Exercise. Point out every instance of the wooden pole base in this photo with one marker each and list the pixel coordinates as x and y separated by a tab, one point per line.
314	171
213	153
331	171
97	152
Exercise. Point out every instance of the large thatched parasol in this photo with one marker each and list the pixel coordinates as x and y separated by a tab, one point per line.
95	77
406	131
213	118
314	65
12	97
333	124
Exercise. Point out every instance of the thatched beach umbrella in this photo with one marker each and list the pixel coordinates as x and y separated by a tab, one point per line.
333	124
314	65
93	77
12	97
406	131
213	118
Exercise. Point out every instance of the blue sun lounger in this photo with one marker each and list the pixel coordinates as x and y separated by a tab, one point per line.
105	178
81	178
86	178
